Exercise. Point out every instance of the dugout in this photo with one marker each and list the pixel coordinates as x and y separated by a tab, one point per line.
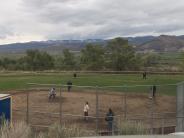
5	106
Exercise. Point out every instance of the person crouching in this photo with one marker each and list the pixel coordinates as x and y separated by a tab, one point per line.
52	93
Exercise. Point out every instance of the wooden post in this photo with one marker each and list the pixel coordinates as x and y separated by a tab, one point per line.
60	106
27	113
163	124
97	112
125	106
151	115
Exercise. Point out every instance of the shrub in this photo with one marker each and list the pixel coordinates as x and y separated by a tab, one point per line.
132	128
16	130
58	131
22	130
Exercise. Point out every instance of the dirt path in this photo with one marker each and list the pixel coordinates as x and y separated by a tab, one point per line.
73	102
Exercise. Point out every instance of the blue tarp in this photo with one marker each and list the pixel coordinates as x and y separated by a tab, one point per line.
5	108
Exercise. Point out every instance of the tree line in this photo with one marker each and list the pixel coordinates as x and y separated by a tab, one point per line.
116	55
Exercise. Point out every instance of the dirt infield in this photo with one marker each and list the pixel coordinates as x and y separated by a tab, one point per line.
72	103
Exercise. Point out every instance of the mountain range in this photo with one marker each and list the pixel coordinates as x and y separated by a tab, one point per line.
163	43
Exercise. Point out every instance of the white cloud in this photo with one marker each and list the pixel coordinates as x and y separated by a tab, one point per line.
80	19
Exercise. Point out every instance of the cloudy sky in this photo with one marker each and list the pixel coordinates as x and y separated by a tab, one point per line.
28	20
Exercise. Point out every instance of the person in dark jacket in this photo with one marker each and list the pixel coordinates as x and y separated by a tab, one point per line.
154	89
109	118
69	85
75	75
144	75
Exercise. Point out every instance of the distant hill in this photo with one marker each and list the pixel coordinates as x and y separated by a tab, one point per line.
51	46
181	37
163	43
144	44
140	40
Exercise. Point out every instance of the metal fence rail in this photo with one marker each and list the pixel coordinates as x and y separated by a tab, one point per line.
39	112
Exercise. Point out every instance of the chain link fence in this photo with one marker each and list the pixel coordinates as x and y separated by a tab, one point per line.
135	108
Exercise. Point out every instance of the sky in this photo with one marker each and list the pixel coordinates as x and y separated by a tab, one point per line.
37	20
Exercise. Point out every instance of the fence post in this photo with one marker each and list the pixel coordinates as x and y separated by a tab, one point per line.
180	107
60	105
125	106
163	124
27	113
97	112
151	115
113	126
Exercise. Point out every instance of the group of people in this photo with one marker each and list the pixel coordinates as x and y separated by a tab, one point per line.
108	118
152	88
52	92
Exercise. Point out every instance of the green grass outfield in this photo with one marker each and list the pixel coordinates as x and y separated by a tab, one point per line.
18	80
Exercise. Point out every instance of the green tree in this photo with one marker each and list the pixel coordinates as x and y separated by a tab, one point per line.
182	60
120	55
92	57
36	60
68	60
0	63
8	64
58	62
151	59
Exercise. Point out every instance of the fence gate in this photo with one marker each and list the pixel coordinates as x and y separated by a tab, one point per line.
180	108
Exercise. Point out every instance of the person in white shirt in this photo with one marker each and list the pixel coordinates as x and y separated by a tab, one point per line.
86	110
52	93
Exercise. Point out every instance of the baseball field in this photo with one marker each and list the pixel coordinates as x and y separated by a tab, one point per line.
127	94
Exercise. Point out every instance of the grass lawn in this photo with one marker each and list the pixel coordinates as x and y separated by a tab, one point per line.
18	80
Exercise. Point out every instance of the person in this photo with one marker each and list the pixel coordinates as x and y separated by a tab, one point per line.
109	118
154	90
75	75
69	85
144	75
52	93
86	109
